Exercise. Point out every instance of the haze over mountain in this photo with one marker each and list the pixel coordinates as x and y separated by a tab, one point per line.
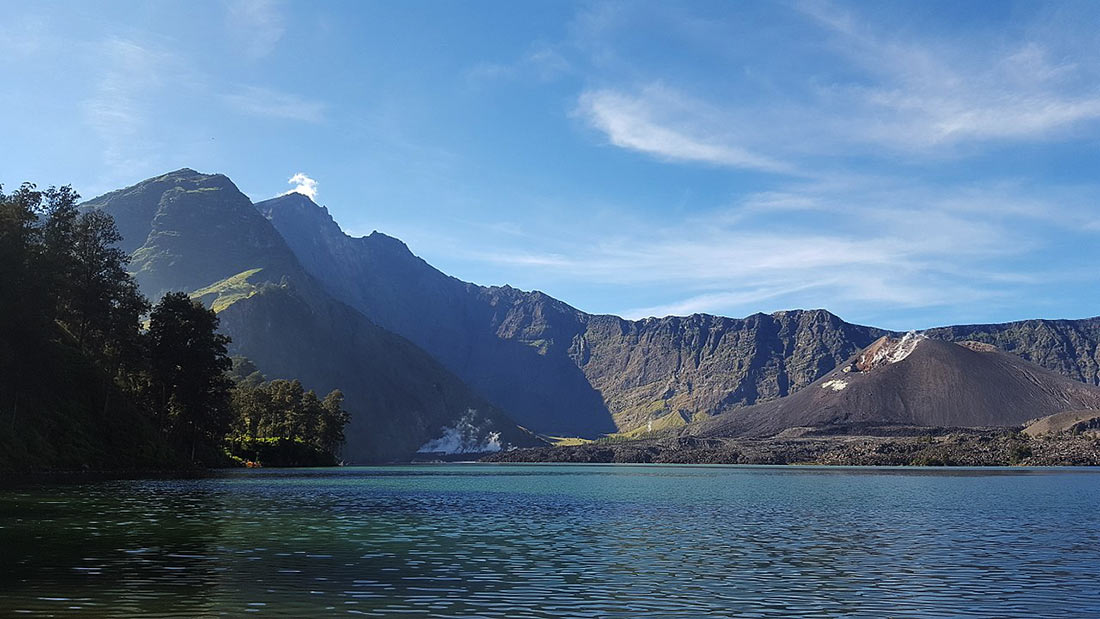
198	233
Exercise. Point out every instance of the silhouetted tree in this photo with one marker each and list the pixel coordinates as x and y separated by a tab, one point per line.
24	325
330	430
188	365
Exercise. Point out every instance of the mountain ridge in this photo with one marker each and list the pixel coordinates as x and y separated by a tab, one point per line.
203	236
914	381
556	369
642	370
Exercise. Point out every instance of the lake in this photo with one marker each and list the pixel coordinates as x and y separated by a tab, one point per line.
559	540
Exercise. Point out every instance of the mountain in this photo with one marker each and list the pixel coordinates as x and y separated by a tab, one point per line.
556	369
198	233
914	381
1069	347
562	371
509	345
186	230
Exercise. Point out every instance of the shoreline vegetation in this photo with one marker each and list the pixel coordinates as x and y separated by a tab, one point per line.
933	447
94	377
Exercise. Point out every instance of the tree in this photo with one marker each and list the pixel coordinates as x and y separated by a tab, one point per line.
102	296
57	213
188	365
24	323
330	430
283	410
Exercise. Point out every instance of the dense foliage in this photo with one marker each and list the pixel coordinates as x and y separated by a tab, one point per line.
85	384
279	422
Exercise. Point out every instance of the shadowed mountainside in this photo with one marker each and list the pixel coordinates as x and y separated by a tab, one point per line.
509	345
554	368
199	234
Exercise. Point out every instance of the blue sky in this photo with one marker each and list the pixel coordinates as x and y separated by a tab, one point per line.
901	164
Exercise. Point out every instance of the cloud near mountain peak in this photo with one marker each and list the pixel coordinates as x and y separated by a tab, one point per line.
303	185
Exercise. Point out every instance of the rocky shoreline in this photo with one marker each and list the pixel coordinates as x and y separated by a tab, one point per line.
937	447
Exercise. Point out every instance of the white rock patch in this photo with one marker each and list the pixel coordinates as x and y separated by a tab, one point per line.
905	346
463	438
835	385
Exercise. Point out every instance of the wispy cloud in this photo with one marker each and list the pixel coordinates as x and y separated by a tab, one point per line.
118	109
24	35
257	24
663	123
927	93
866	244
885	91
303	185
542	62
259	101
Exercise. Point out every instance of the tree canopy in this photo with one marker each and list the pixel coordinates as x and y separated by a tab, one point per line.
83	381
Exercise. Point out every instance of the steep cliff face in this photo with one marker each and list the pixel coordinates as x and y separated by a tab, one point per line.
914	381
1069	347
554	368
201	235
700	365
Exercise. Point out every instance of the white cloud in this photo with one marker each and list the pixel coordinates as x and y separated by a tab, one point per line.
931	93
303	185
257	24
870	90
275	104
662	123
855	245
541	62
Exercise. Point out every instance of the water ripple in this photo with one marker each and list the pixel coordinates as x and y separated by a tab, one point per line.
554	541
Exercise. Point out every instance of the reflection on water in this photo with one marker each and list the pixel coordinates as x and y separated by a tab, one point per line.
559	540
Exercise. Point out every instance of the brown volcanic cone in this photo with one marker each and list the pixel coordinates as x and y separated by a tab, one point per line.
913	381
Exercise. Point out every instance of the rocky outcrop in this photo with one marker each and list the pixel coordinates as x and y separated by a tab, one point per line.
701	365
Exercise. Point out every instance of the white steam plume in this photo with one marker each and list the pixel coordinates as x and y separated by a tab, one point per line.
303	185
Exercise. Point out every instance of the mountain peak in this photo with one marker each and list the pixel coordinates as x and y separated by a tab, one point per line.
887	350
186	175
381	237
301	210
297	198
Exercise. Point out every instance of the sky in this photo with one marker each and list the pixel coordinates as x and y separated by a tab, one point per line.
902	164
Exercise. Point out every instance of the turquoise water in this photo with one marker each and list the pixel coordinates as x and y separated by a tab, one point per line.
559	540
